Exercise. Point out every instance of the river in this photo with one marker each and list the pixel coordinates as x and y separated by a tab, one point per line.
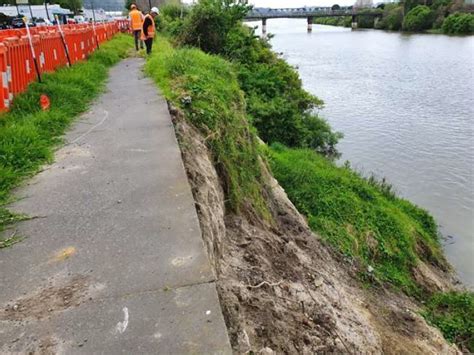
405	103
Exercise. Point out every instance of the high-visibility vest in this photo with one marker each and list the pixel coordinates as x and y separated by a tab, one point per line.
151	28
136	18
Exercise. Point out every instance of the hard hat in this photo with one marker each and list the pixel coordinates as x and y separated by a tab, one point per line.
155	10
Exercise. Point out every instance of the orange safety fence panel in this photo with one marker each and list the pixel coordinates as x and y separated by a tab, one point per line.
17	68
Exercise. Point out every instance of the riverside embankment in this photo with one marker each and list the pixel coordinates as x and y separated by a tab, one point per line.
383	242
407	115
355	269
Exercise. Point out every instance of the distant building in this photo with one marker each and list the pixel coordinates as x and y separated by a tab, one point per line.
106	5
39	11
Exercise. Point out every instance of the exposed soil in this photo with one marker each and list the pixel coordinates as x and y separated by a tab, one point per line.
46	301
283	290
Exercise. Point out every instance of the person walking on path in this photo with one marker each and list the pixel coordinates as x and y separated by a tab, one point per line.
148	30
136	23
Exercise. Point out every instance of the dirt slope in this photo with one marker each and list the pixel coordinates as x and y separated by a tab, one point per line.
281	288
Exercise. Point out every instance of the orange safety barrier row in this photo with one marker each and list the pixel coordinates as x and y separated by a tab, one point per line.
52	50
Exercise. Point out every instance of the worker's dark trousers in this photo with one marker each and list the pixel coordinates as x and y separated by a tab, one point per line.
136	35
148	44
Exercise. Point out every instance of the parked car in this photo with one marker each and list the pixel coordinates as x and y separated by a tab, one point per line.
80	19
42	22
18	22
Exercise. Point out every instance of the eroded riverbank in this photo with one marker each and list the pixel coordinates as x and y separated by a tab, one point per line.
405	106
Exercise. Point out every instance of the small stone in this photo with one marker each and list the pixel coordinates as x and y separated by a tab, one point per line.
266	351
208	313
15	307
370	269
119	201
318	282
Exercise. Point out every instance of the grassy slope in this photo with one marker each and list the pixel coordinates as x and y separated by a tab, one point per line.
361	219
365	221
28	135
453	314
206	89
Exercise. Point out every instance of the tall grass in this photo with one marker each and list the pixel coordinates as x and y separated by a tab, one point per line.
206	89
29	135
386	234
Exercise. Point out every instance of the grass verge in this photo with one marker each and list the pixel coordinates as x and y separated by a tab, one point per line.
28	135
361	218
205	88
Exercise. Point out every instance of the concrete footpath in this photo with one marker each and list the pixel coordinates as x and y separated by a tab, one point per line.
114	261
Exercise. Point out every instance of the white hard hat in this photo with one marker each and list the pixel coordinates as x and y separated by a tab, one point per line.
155	10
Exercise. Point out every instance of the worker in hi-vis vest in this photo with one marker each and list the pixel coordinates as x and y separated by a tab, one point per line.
136	23
148	30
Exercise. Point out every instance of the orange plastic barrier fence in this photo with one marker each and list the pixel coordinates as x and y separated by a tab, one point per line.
17	68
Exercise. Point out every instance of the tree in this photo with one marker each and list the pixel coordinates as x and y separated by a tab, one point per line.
459	24
420	18
335	7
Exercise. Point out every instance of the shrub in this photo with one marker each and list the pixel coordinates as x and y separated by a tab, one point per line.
392	17
171	19
459	24
277	105
419	18
209	23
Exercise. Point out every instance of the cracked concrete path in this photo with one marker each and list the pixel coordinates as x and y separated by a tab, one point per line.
115	262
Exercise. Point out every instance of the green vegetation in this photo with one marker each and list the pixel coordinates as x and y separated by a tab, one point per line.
361	218
392	19
459	24
453	314
206	89
437	16
241	83
29	135
343	21
277	105
419	18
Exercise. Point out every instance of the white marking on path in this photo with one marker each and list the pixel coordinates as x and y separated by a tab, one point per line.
122	326
106	115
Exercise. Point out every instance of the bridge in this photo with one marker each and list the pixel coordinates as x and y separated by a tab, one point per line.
259	13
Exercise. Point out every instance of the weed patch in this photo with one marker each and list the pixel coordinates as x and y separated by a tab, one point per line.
453	314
